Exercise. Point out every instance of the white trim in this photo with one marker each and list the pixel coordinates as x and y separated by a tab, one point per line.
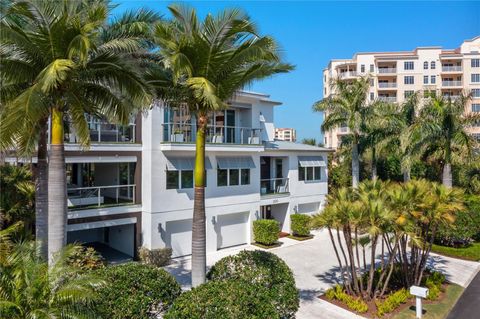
101	224
212	147
104	211
78	159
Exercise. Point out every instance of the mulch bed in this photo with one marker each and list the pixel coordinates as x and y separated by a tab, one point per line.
300	238
277	244
283	234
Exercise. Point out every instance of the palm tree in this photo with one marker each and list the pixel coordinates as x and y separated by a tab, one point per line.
209	61
409	110
348	106
441	132
30	288
60	61
309	141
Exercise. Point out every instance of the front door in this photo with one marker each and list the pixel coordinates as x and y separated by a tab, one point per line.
266	212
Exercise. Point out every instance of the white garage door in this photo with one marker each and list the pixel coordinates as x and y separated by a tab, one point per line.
179	237
232	229
308	208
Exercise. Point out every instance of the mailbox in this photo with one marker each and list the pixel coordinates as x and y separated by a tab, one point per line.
419	291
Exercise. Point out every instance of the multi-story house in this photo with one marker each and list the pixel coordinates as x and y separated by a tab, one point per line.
134	186
396	75
286	134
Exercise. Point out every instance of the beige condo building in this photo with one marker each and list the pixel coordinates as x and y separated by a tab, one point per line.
286	134
396	75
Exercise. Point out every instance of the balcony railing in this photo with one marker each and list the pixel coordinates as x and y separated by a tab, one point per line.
348	74
389	99
451	83
105	133
451	97
100	196
387	70
450	68
384	85
186	133
274	186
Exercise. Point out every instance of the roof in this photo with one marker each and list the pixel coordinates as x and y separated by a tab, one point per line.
291	146
261	96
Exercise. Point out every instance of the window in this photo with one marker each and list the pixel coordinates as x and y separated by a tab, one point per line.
372	96
173	179
372	82
362	68
233	177
180	179
324	78
425	65
408	80
475	107
372	68
407	94
433	79
432	65
309	173
425	79
476	78
475	63
408	65
475	92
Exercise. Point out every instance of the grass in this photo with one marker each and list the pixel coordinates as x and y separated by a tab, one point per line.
471	252
436	310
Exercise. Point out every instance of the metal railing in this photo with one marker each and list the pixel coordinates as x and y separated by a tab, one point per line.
387	70
348	74
186	133
451	83
100	196
451	68
343	129
451	97
390	99
387	84
274	186
105	133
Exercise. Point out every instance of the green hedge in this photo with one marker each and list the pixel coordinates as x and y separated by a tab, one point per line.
156	257
300	224
265	231
231	299
134	290
263	269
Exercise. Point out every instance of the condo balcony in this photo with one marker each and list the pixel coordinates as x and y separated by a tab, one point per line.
451	83
348	74
387	70
388	99
100	196
451	68
387	85
103	132
219	134
451	97
273	186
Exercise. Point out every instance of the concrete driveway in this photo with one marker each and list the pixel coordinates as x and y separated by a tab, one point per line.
314	266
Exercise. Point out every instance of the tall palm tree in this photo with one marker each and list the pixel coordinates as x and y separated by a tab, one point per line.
61	62
441	132
409	110
348	106
209	61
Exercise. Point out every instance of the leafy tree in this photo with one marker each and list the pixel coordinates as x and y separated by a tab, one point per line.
309	141
208	61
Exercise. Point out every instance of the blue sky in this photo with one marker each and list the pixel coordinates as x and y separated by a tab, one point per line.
311	33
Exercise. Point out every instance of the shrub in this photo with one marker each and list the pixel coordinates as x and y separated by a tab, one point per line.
264	269
136	290
392	302
156	257
265	231
85	258
355	304
434	283
300	224
230	299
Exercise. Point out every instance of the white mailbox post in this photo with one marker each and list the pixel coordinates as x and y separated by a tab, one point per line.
419	293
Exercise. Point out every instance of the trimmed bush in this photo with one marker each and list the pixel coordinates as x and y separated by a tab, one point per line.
265	231
263	269
434	283
230	299
156	257
135	290
85	258
300	224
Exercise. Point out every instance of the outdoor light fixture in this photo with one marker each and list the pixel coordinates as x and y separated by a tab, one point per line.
214	220
159	227
419	293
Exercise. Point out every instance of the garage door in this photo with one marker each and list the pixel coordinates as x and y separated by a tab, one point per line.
179	237
232	230
308	208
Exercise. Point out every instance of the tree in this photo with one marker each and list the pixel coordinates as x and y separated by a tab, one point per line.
441	132
60	60
309	141
209	61
347	106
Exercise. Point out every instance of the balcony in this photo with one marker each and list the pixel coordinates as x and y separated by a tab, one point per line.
387	70
388	99
101	132
186	133
451	83
451	97
451	68
348	74
274	186
100	196
387	85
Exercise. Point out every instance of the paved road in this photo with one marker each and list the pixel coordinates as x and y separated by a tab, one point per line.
468	306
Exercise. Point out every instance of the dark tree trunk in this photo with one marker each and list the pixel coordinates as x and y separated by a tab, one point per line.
41	192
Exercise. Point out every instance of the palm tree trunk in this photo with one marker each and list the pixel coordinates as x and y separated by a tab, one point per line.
374	164
199	242
57	186
41	192
447	179
406	175
355	165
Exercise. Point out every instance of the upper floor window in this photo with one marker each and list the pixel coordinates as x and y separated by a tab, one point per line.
475	63
476	78
179	179
408	65
475	107
433	79
372	96
476	92
362	68
309	168
408	93
408	80
233	177
372	68
425	79
432	65
372	82
425	65
324	78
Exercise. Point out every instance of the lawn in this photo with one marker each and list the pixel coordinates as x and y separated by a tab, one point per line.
469	253
437	309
